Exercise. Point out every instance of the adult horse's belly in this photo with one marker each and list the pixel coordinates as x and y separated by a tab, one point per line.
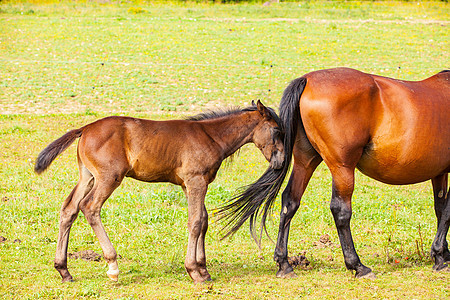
405	162
410	134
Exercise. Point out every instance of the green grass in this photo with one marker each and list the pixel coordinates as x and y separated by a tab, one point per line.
66	64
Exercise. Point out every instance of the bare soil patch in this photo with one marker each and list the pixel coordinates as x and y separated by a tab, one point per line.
88	255
324	242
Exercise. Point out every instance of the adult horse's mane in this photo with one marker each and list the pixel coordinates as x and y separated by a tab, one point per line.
215	114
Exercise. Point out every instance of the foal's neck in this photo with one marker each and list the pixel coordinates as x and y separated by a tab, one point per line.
232	132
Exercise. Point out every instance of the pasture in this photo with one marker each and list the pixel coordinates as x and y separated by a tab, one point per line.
63	65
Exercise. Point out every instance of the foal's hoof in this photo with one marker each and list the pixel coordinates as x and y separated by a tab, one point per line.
203	280
70	279
282	274
113	277
369	275
200	276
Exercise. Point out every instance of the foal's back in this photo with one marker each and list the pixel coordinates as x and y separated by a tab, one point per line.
152	151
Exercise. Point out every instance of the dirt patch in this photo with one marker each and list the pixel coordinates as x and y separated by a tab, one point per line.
324	242
88	255
3	240
299	260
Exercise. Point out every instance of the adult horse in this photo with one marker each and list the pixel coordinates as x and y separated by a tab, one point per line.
184	152
397	132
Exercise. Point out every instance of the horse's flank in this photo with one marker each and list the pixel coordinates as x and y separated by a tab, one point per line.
401	126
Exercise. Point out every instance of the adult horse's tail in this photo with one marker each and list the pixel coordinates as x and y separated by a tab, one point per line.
247	204
49	154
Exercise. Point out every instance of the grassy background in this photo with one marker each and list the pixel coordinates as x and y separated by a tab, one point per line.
65	64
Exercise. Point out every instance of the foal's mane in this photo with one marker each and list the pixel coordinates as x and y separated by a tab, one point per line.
211	115
215	114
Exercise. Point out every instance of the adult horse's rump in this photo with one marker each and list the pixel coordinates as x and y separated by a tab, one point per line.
394	131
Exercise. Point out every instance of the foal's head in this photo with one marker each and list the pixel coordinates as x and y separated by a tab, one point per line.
268	136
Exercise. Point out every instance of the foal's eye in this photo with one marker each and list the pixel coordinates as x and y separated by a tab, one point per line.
276	133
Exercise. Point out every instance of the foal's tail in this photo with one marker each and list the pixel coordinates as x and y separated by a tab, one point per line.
247	204
49	154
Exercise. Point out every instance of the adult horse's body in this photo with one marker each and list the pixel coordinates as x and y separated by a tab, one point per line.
394	131
184	152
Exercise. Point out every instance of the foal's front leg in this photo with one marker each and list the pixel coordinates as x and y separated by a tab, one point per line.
201	255
195	262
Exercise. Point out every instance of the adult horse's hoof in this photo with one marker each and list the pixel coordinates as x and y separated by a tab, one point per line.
441	268
364	272
284	275
369	275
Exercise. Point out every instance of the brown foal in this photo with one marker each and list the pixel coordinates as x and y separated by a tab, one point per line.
184	152
395	131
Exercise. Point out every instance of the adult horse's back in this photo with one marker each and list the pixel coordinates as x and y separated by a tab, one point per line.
394	131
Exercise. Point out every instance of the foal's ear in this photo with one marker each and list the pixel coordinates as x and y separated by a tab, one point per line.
263	110
253	103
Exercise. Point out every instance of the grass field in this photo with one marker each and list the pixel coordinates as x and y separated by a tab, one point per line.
66	64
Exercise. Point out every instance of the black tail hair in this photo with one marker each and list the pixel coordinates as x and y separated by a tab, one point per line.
247	204
48	155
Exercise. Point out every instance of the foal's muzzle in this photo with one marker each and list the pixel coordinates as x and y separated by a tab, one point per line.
277	159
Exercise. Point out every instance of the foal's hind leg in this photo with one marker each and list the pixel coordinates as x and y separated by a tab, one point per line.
439	248
68	214
195	262
91	207
301	174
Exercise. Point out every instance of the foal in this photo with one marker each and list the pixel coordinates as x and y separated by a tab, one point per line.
184	152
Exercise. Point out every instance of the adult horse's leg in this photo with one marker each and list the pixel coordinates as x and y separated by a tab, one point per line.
68	214
91	207
195	262
302	171
439	248
341	208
